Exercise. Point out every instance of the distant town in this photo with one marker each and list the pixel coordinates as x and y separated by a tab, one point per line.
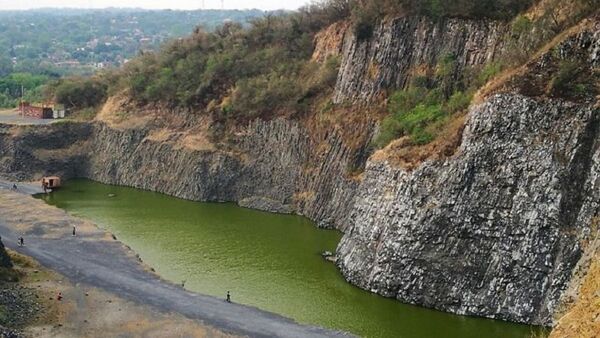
67	41
38	46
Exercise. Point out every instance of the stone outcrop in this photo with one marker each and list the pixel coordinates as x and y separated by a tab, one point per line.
28	152
277	166
330	41
402	48
495	231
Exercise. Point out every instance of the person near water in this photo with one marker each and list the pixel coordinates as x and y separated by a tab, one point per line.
228	297
21	241
73	230
15	187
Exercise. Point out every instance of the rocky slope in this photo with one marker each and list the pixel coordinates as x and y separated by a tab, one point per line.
403	48
494	231
5	261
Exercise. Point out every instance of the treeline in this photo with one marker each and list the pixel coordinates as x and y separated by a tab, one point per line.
17	86
48	37
264	68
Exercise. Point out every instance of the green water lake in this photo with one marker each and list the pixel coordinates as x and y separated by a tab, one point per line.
269	261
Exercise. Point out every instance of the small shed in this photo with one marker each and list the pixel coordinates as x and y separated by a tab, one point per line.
51	182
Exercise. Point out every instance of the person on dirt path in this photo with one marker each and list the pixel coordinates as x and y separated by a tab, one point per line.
73	231
21	241
228	299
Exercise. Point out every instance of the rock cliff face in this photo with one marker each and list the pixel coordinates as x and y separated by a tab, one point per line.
28	152
495	231
402	48
276	166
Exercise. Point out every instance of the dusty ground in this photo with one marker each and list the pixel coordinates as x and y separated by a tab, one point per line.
94	260
89	312
11	116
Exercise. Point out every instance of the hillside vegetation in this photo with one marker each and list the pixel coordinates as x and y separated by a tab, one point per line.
37	46
236	73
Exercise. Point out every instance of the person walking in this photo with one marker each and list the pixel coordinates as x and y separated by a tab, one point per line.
73	231
21	241
228	299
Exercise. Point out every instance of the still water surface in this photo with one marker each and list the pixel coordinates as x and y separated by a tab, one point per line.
269	261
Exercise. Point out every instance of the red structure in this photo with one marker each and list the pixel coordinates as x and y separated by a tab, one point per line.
36	112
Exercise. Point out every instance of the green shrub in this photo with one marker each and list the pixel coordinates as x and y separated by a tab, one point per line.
80	93
521	25
364	20
566	82
459	101
488	72
389	130
419	113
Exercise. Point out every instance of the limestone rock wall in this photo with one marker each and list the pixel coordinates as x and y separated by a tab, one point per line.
495	231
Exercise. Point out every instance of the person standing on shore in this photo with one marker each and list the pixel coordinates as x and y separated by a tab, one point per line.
228	299
73	231
21	241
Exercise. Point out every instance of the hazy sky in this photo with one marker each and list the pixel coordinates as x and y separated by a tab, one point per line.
154	4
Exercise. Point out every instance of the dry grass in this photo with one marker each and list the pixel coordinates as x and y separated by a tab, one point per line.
116	114
404	154
510	79
583	319
76	149
328	42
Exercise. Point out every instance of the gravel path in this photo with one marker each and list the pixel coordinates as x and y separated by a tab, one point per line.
109	265
13	117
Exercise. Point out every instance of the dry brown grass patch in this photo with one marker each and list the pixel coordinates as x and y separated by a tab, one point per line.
583	319
404	154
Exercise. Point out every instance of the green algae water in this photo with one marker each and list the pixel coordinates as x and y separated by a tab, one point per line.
269	261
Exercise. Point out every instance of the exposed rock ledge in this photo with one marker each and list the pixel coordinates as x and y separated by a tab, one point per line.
494	232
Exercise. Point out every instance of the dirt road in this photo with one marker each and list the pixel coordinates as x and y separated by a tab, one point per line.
96	259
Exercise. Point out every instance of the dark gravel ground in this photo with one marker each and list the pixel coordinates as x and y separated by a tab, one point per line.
18	307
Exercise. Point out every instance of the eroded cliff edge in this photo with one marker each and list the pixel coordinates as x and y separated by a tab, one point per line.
495	230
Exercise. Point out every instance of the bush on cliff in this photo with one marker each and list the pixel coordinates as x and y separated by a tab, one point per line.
419	113
573	79
78	93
